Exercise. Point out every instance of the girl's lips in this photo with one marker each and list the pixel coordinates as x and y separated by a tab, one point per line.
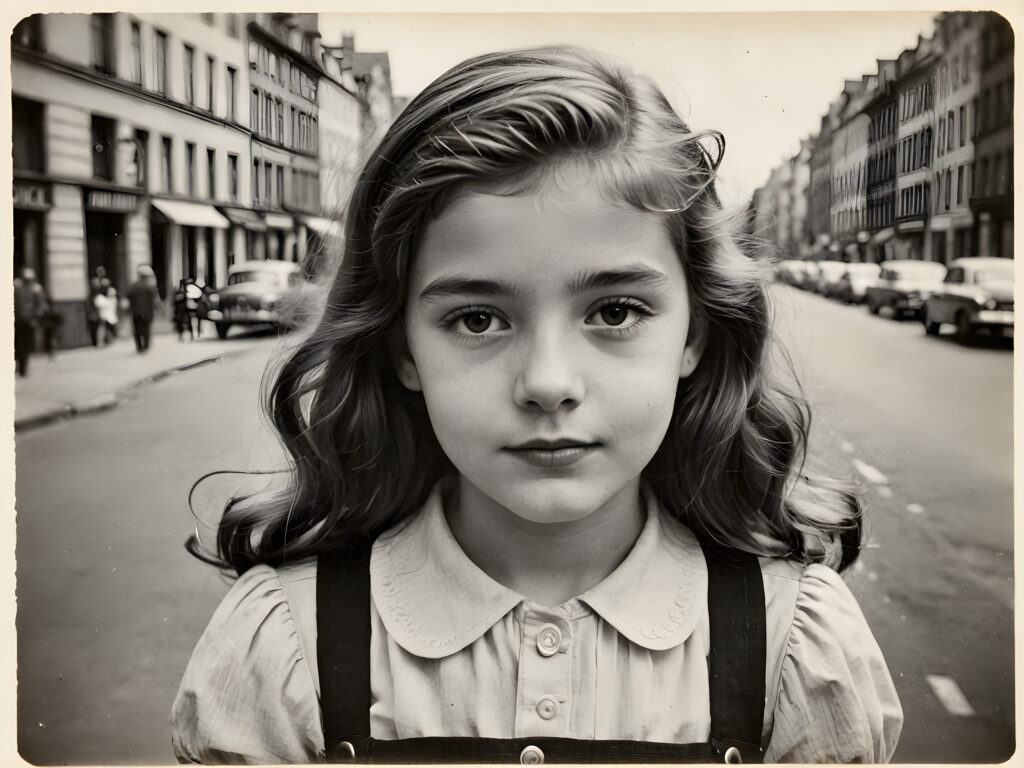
554	454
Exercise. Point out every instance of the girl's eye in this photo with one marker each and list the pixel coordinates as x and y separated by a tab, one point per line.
619	313
476	322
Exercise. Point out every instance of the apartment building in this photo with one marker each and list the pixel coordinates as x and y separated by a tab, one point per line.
849	160
957	84
129	130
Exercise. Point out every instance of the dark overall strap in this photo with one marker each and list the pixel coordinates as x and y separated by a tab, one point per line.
738	652
736	663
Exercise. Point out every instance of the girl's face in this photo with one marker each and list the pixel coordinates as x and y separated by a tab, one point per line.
547	332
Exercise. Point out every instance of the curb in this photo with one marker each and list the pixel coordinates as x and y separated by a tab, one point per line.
108	400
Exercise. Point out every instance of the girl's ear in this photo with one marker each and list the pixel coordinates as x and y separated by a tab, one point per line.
405	366
693	350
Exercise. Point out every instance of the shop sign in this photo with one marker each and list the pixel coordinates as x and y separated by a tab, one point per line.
105	200
31	195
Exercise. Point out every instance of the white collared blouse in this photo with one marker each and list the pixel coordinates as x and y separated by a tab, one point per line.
454	653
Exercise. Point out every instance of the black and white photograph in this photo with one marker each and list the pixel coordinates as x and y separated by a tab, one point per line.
528	385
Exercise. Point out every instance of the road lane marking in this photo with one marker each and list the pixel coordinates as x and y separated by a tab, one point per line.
885	491
949	695
870	474
916	509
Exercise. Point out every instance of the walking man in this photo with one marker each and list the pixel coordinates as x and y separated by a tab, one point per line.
142	297
29	306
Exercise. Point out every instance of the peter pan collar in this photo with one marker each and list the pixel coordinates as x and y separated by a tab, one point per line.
434	601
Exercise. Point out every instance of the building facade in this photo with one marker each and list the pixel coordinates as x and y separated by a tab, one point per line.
991	197
915	96
882	113
956	86
128	129
848	214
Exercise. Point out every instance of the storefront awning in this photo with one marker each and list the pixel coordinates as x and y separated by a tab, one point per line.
191	214
243	217
279	221
321	225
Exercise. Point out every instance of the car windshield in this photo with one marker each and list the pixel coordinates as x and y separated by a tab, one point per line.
254	276
998	275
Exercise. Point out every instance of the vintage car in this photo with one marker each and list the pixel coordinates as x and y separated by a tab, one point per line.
829	273
254	294
903	285
977	295
855	280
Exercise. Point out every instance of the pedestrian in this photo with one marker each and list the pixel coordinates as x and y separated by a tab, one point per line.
182	314
546	495
142	297
107	310
92	315
51	323
29	307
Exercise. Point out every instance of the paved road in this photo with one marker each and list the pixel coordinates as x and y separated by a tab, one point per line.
110	604
925	426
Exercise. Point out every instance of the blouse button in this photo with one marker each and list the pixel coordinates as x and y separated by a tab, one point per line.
549	639
531	756
547	707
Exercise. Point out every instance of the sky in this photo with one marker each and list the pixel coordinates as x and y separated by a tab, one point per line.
763	79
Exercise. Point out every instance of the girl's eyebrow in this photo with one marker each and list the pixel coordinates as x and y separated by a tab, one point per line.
634	274
456	285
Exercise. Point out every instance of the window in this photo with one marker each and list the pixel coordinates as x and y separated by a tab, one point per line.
166	167
255	182
314	138
211	173
209	83
280	121
950	129
272	67
230	84
28	33
27	125
268	178
190	74
190	163
963	125
232	19
233	177
254	109
160	70
280	184
949	183
955	69
294	136
136	63
103	42
141	158
267	126
102	148
959	185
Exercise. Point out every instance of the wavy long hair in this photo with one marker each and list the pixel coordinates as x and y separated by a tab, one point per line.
363	454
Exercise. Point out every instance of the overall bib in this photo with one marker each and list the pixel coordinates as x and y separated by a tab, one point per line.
736	670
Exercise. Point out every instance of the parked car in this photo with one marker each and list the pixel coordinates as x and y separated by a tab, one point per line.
809	276
254	293
790	271
976	295
854	282
829	273
903	285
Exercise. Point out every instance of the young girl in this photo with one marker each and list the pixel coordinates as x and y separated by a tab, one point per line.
547	503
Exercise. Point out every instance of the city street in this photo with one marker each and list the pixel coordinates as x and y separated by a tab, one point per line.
110	604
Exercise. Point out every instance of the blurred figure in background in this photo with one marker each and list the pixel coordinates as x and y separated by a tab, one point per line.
29	306
142	304
92	315
182	315
106	308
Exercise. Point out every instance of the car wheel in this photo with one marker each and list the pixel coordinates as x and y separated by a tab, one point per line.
964	332
222	330
872	305
930	326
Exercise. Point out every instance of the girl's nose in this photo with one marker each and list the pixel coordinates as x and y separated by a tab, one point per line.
548	379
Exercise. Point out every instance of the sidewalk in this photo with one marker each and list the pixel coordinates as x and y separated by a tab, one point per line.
89	379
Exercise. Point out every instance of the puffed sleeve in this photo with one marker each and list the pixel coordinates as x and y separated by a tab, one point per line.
247	695
836	702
